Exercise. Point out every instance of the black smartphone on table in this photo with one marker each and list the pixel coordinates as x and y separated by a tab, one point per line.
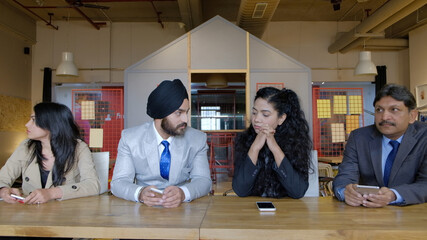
266	206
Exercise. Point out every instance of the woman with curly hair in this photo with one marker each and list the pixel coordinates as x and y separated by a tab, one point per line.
54	162
272	156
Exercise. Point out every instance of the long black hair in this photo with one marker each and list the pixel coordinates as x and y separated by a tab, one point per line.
292	135
64	133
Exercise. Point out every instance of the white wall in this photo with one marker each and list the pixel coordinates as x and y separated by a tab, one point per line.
120	45
308	42
418	57
17	31
15	67
116	47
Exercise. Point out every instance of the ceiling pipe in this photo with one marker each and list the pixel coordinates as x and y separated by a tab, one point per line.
96	25
159	19
369	23
387	23
191	13
49	23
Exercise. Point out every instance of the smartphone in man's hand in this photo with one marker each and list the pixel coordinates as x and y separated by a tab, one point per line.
364	189
158	192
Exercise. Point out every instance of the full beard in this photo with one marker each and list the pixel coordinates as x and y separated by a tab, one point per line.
173	131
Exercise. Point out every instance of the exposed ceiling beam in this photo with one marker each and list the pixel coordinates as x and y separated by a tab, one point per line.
409	23
382	14
386	44
385	24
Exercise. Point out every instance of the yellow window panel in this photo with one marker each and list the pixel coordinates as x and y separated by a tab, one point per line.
355	103
340	104
352	122
323	108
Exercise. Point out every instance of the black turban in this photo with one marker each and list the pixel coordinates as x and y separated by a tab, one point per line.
166	99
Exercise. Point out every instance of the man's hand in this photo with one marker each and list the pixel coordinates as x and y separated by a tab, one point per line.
383	198
352	197
172	197
149	197
5	194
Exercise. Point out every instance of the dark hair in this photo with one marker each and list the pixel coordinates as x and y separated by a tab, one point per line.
399	93
292	135
64	133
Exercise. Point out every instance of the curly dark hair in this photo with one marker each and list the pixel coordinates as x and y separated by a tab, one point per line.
292	136
64	133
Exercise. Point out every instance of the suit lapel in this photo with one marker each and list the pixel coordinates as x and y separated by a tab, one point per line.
177	157
408	142
151	150
376	150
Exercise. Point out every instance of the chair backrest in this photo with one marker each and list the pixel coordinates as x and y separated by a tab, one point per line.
313	177
102	163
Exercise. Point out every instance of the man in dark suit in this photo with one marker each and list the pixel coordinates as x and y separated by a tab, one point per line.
391	154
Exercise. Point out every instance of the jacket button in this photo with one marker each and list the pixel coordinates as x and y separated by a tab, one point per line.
27	179
74	187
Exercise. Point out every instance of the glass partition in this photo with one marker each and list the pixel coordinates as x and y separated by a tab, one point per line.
218	104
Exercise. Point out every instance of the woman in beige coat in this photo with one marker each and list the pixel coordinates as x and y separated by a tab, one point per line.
53	162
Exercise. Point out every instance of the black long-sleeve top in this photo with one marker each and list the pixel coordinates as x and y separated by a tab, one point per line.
266	179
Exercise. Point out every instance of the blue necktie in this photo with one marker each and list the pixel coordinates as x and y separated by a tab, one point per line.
389	161
165	161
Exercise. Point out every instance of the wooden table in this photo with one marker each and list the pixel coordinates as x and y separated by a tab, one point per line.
215	217
102	217
310	218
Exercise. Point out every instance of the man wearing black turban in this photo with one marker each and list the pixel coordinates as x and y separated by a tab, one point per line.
164	154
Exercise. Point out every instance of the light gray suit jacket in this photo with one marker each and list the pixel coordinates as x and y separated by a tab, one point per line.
362	162
138	162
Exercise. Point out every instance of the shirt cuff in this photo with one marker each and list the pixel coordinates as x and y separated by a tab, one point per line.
399	198
341	195
186	193
136	195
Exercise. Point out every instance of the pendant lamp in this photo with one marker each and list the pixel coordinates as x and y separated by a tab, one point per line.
67	66
365	65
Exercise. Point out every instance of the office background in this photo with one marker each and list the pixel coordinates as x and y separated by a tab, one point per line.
105	53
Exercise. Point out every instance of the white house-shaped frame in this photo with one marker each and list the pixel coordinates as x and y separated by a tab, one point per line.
217	46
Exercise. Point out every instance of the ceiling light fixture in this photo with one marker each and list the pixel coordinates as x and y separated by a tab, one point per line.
365	65
259	10
67	66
